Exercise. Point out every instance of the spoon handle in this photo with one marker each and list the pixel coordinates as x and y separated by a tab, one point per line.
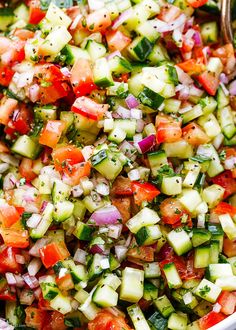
226	23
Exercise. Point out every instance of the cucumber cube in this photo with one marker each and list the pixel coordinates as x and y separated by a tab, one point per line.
208	291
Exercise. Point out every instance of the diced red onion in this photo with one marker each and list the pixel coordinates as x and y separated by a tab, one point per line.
20	259
26	297
194	91
34	266
34	251
102	189
128	240
19	281
34	93
232	88
140	125
10	279
225	90
44	205
166	27
128	149
106	216
97	248
115	231
34	220
120	252
112	55
101	140
136	113
122	18
80	256
189	23
123	112
37	292
230	163
5	326
183	77
31	281
51	172
77	191
66	72
206	52
190	33
146	144
6	58
197	39
131	101
223	78
184	93
9	181
25	79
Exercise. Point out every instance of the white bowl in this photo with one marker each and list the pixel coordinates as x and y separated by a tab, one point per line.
227	324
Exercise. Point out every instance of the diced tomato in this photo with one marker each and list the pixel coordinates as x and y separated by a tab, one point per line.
7	107
229	247
143	192
8	260
117	40
168	130
226	181
98	20
43	304
107	321
66	156
123	204
226	55
172	211
197	3
51	133
34	317
8	215
187	46
52	253
194	135
26	169
228	302
192	66
122	186
7	295
35	12
124	77
23	34
3	147
89	108
223	208
6	75
210	319
52	93
144	253
22	119
5	44
82	78
77	171
55	322
65	282
169	13
209	82
13	238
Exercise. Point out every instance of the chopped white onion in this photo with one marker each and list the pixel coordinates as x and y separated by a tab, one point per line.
115	230
230	163
31	281
76	21
225	90
201	221
20	259
4	167
34	251
9	159
134	175
80	256
10	278
87	152
136	113
188	298
218	140
102	189
34	266
25	79
120	252
19	281
77	191
62	272
5	326
216	308
34	220
105	264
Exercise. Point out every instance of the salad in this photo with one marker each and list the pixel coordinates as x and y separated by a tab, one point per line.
117	165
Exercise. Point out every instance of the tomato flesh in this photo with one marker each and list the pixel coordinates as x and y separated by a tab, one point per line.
226	181
8	260
51	133
107	321
210	319
52	253
143	192
66	156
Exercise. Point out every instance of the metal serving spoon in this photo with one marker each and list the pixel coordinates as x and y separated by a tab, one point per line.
226	22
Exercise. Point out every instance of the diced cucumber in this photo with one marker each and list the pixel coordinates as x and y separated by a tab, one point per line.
45	113
215	167
119	65
56	16
190	198
210	124
171	185
157	321
6	18
150	98
107	164
158	55
219	270
200	236
73	53
172	105
111	280
105	296
208	105
26	147
215	65
208	291
137	318
63	210
172	276
60	191
180	241
44	224
156	160
21	13
145	217
180	149
177	321
152	270
227	283
148	29
14	313
202	256
95	49
49	290
164	306
140	48
150	291
228	226
226	120
55	41
148	235
212	195
83	231
132	282
209	32
61	304
194	113
102	73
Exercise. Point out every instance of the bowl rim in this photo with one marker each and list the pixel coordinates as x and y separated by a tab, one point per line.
226	324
